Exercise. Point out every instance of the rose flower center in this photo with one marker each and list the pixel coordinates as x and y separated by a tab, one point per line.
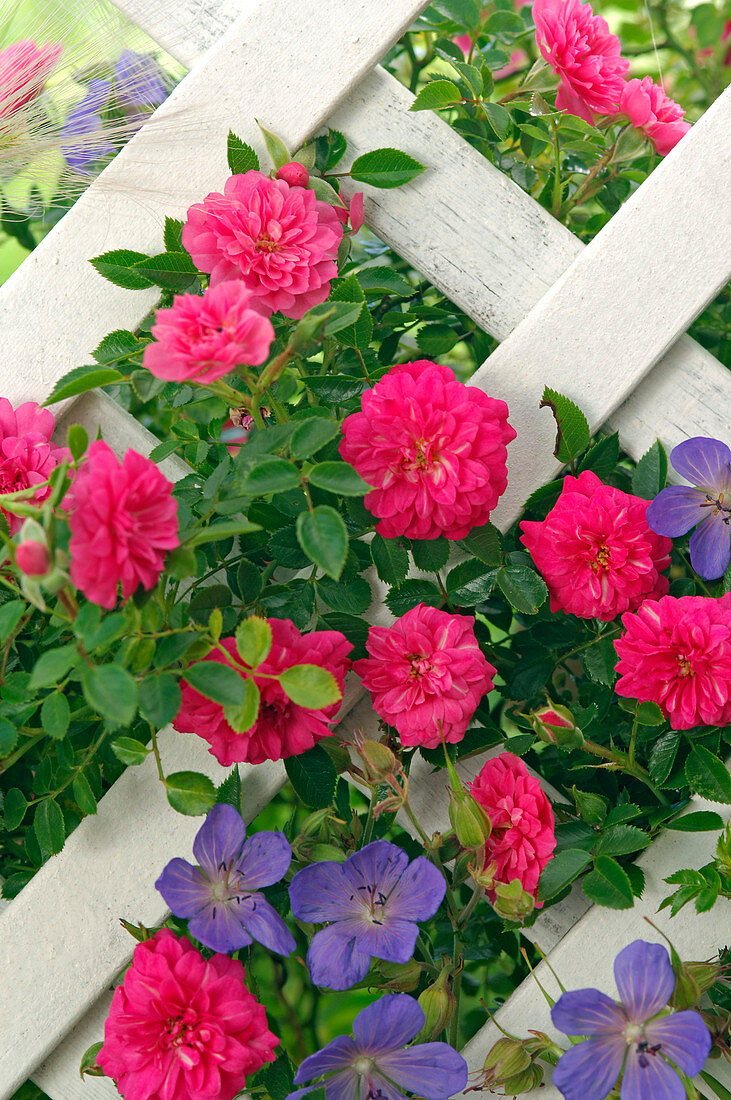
684	666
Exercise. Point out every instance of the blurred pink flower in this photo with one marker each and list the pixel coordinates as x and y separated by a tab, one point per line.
123	520
649	109
202	339
425	670
579	47
676	652
596	551
282	728
181	1027
433	448
281	241
24	70
518	58
522	839
27	455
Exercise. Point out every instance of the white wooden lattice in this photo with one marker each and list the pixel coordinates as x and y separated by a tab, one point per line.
607	316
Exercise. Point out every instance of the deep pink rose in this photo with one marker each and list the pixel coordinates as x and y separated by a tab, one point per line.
27	455
24	70
649	109
202	339
522	839
578	45
596	552
282	728
424	670
676	652
123	520
182	1027
281	241
433	448
351	212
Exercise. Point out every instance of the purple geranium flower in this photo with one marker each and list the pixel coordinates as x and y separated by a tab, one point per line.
84	138
220	899
374	1065
139	80
373	900
707	464
632	1035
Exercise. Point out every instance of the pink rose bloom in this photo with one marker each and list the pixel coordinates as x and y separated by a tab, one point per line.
27	455
202	339
433	448
522	839
578	45
281	241
424	670
596	552
123	520
182	1027
282	728
649	109
677	653
24	70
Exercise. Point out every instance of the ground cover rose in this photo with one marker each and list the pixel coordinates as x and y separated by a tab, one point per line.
201	339
24	69
28	456
580	48
676	652
522	839
596	551
182	1027
426	675
282	728
651	110
123	521
372	901
433	448
281	241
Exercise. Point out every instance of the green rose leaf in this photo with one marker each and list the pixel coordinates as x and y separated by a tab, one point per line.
83	794
55	715
119	267
81	380
390	558
651	472
385	168
310	686
338	477
323	536
129	751
560	871
313	776
573	428
609	885
169	270
48	825
14	808
274	475
253	640
111	692
436	94
190	793
241	157
160	699
216	681
243	716
311	435
620	840
8	737
522	587
10	615
707	775
702	821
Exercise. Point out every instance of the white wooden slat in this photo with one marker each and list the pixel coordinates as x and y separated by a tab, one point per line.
186	29
54	309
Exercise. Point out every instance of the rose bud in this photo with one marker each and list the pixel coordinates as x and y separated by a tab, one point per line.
296	175
33	559
555	725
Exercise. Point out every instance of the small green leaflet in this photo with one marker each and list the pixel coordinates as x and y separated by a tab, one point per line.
437	94
573	433
241	157
385	168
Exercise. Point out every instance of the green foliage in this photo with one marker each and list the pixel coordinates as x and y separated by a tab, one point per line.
573	433
313	776
190	793
241	157
385	168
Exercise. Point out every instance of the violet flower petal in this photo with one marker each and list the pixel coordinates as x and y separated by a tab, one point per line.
684	1037
710	547
387	1024
675	510
419	892
264	860
220	838
394	940
264	923
335	959
644	978
433	1070
321	892
651	1079
218	927
588	1012
380	1087
343	1086
338	1054
589	1070
380	863
703	462
139	80
184	888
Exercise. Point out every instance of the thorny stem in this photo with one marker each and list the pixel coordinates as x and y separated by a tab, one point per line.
156	751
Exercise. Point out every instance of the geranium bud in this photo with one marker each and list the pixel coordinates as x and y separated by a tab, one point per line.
540	1045
438	1003
400	977
506	1059
692	979
33	559
296	175
469	821
319	852
314	821
379	761
484	876
512	902
526	1081
555	725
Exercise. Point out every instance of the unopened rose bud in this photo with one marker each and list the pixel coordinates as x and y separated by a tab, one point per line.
555	725
506	1059
438	1003
33	559
400	977
379	761
512	902
296	175
469	821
